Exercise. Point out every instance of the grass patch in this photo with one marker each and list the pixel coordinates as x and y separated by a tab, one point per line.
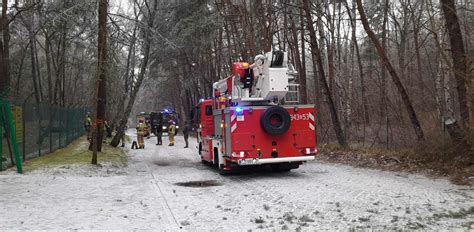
77	153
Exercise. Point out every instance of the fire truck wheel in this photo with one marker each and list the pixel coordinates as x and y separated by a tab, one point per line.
216	158
284	167
224	172
275	120
279	168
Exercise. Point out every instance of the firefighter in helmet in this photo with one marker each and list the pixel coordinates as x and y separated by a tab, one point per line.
171	132
141	127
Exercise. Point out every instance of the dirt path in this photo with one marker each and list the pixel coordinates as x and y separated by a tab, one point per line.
149	194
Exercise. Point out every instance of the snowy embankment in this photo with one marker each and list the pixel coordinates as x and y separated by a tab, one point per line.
156	191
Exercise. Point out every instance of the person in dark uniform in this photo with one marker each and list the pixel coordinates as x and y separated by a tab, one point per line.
88	126
156	123
186	130
159	134
108	129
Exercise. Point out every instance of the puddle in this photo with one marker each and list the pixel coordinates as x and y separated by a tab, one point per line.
178	163
162	163
199	183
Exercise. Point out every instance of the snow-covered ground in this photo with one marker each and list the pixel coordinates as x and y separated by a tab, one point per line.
147	195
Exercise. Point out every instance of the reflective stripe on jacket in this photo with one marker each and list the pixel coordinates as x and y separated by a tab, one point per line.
141	127
172	129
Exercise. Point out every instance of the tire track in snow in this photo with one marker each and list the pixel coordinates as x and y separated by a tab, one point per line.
156	187
145	160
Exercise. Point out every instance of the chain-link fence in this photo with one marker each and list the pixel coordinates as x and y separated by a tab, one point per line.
40	129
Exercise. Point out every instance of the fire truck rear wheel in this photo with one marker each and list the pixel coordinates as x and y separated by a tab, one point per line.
216	158
275	120
279	168
284	167
225	172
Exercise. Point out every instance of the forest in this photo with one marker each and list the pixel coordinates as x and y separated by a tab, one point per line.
367	123
382	74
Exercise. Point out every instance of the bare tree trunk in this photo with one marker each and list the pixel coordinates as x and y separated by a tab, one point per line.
416	15
148	40
365	107
34	67
130	66
47	49
439	78
401	89
383	76
302	72
20	71
457	134
443	96
4	52
330	48
38	71
100	101
442	81
60	61
458	54
297	59
318	64
63	71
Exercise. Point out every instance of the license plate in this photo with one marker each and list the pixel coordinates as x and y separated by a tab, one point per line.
248	162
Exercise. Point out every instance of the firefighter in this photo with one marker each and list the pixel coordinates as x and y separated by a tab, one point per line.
88	126
141	127
171	133
186	130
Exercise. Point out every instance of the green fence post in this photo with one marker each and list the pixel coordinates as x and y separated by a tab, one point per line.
11	128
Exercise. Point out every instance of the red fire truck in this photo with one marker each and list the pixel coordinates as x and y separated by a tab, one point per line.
245	123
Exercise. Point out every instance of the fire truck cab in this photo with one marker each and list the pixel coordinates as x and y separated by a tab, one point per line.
245	123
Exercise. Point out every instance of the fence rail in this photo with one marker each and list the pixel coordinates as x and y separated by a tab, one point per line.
41	129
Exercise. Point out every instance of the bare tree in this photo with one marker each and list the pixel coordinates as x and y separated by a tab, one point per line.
4	51
100	101
147	44
396	79
461	73
318	64
365	107
174	57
